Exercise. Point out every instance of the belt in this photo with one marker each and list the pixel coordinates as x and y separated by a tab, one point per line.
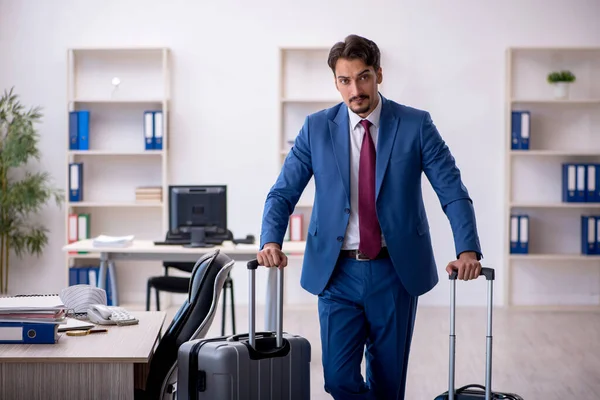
357	255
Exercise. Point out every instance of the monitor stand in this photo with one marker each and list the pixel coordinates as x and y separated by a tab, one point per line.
197	238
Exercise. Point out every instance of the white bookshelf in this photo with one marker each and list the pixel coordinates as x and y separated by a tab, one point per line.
306	85
554	274
117	161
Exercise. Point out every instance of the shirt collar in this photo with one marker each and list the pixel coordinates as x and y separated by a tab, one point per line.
373	117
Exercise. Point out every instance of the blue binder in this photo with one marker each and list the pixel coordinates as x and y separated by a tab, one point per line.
523	234
570	175
593	183
73	130
519	234
149	130
28	332
75	182
581	183
158	130
521	130
589	234
597	239
514	234
79	130
83	129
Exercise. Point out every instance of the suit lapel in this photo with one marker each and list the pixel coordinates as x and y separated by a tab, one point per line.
388	128
340	138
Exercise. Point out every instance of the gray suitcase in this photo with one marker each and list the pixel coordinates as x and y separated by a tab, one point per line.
261	365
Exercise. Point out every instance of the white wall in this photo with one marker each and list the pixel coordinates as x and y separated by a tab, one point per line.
446	57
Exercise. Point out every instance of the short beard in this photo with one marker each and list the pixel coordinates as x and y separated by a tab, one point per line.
363	108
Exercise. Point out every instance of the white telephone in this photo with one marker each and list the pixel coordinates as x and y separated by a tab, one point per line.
110	315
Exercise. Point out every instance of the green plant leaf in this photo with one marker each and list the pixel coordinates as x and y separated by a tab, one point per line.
23	191
561	76
29	239
30	193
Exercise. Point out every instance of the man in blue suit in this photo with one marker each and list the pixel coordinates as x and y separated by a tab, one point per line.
368	252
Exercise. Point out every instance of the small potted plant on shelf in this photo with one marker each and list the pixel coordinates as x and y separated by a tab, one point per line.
561	81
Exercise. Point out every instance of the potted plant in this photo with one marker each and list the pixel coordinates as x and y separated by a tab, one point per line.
561	81
23	191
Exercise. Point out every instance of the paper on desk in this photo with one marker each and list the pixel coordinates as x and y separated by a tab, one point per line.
113	241
75	324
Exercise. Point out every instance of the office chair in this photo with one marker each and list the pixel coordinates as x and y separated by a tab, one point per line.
180	284
192	321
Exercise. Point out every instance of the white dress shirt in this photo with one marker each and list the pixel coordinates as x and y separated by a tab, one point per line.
352	237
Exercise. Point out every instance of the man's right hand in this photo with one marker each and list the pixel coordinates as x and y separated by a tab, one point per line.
272	256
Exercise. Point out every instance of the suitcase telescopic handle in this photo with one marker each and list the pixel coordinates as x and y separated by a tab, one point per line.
252	266
490	276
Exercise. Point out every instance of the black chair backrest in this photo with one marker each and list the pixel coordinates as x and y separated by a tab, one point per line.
192	321
182	266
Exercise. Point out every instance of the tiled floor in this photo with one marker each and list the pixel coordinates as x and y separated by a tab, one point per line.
539	355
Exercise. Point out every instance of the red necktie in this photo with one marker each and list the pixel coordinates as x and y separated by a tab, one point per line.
370	231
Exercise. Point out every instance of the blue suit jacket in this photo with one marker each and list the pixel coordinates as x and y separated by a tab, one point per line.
408	144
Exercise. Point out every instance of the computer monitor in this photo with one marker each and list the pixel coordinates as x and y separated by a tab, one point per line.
200	211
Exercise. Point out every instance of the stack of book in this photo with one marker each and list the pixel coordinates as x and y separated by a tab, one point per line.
149	194
31	319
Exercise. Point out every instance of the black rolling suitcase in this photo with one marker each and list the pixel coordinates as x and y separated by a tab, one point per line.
474	391
263	365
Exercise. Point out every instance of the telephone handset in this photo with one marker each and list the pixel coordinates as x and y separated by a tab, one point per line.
110	315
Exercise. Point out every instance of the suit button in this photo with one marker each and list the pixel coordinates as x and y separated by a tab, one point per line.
347	211
340	238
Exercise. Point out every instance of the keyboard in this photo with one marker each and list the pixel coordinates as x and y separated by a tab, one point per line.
172	242
180	242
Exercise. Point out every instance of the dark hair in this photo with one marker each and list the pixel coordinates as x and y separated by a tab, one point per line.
354	47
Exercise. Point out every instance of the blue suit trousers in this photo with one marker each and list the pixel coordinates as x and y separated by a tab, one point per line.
365	308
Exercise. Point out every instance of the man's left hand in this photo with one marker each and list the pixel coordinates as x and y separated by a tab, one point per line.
467	265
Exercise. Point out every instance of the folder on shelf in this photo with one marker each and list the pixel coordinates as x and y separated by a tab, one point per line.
590	188
521	130
296	227
597	239
73	130
569	173
28	333
580	191
523	234
589	234
519	234
514	234
72	233
79	130
83	228
158	130
75	182
593	183
149	130
574	182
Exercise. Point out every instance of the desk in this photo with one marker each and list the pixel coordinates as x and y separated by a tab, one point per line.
146	250
98	366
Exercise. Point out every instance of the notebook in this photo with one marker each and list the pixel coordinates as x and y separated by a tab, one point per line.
37	302
32	308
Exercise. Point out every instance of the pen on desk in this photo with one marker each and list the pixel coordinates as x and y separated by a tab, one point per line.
85	332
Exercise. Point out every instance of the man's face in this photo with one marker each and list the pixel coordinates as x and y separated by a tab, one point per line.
357	83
